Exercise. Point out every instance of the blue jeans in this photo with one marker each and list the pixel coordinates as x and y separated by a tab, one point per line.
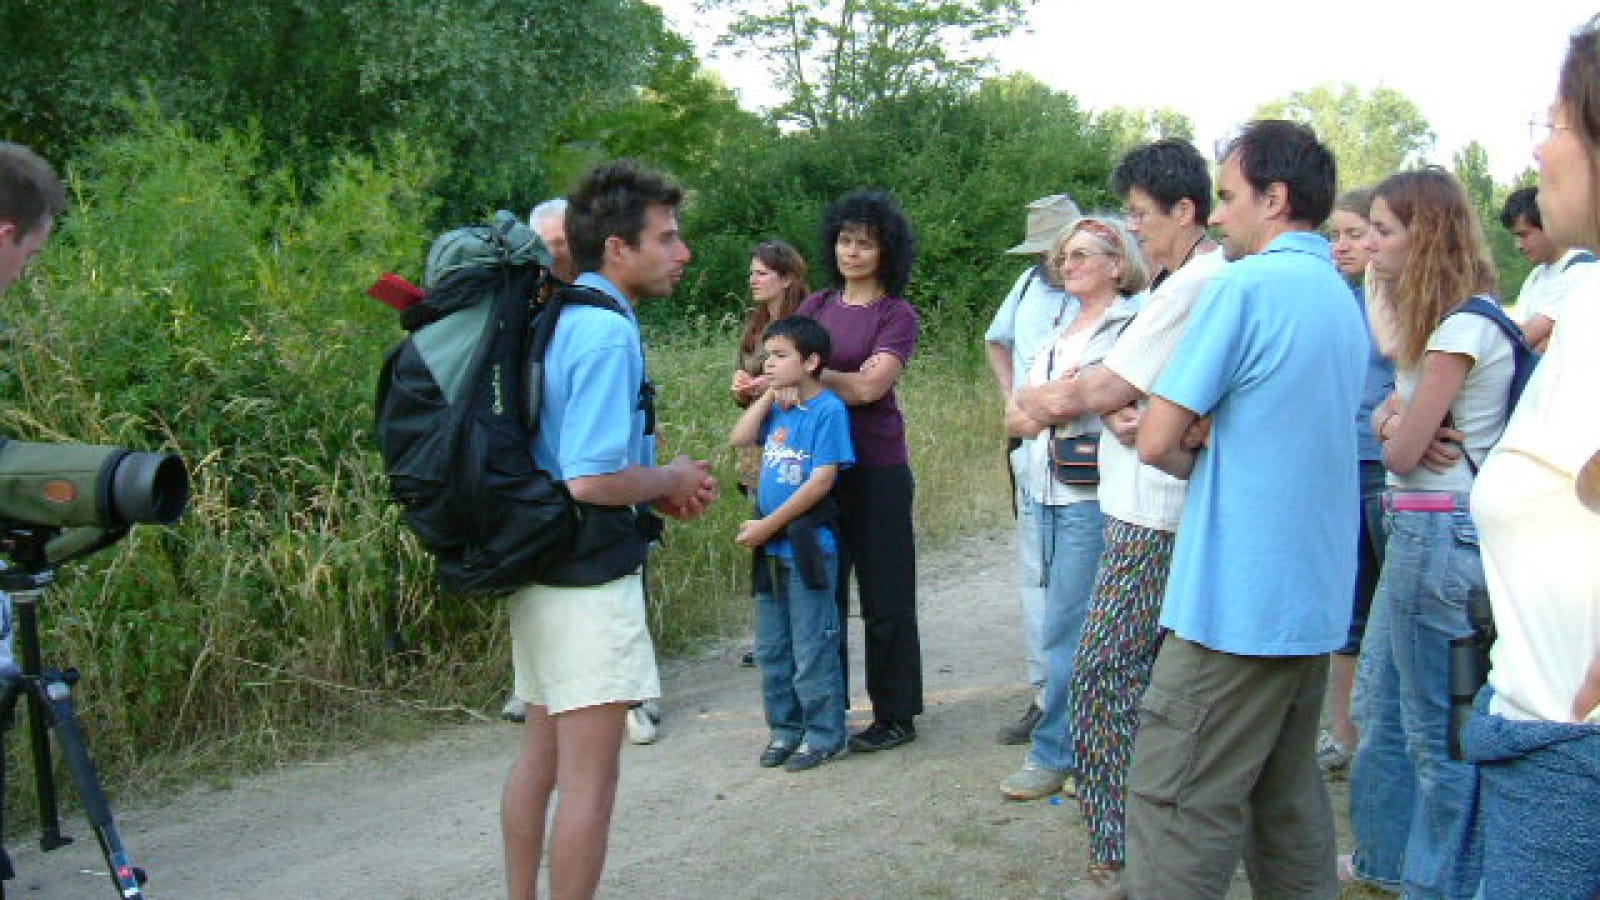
1412	808
797	647
1071	539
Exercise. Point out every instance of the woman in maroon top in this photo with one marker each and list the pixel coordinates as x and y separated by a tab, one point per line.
867	251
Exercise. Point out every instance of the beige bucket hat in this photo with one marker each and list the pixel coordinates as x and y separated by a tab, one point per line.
1046	217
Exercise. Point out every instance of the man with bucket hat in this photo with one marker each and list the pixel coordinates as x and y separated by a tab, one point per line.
1029	315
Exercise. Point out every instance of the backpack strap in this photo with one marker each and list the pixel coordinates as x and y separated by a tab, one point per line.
1521	353
538	344
1582	257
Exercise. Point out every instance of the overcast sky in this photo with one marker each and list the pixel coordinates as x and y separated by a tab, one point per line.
1475	70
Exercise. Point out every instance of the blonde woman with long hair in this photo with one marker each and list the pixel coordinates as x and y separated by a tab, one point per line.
1411	805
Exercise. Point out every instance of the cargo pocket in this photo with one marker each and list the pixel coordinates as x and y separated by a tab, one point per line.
1167	745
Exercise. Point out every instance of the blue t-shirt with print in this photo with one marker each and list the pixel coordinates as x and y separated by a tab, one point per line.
793	443
1277	354
590	422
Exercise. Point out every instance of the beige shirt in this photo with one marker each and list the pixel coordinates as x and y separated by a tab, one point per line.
1131	491
1541	548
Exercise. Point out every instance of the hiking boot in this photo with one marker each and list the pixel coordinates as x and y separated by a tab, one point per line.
1332	757
1102	884
808	757
514	710
883	736
1033	781
641	727
776	754
1021	731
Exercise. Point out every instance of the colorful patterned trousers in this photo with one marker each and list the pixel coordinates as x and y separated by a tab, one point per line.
1121	637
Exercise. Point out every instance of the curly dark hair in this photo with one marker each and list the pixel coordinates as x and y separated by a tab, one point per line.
880	215
611	200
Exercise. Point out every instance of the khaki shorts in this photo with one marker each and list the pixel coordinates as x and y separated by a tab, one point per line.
574	647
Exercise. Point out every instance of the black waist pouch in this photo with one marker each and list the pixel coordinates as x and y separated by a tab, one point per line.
611	542
810	560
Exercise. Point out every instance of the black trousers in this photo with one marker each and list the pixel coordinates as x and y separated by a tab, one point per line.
877	544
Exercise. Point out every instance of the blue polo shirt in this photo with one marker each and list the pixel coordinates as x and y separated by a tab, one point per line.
590	423
1277	354
1028	318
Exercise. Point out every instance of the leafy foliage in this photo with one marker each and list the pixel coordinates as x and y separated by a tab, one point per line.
1372	135
480	83
1134	126
837	59
963	166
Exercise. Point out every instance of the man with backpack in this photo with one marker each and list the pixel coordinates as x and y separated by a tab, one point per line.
583	653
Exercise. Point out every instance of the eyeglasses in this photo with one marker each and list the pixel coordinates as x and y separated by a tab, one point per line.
1541	130
1081	256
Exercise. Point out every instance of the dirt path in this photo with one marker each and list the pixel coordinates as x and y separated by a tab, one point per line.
696	817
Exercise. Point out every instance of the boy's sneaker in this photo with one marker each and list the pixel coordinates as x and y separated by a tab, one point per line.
641	727
1033	781
776	754
882	736
808	757
1331	755
1021	731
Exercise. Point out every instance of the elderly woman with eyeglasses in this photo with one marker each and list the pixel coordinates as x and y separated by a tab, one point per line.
1536	737
1103	270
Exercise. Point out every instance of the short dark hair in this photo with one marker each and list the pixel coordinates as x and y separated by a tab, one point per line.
807	335
1278	150
30	190
1168	170
880	215
612	200
1522	202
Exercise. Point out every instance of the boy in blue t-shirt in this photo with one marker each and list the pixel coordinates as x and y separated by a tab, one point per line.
804	430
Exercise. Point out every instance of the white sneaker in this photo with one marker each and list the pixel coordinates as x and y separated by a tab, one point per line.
514	710
641	727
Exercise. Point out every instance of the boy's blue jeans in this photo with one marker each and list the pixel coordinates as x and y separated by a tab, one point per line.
1412	808
797	647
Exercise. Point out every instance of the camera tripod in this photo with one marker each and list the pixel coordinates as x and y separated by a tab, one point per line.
48	695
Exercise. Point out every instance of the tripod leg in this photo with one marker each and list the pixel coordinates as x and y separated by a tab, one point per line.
75	752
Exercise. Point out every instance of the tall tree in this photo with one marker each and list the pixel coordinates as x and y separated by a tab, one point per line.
1472	170
1132	126
1372	135
835	59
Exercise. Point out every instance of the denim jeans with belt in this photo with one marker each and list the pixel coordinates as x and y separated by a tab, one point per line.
1071	539
1412	808
797	647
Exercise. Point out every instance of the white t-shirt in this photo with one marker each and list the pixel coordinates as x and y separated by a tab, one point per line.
1539	544
1130	490
1546	287
1479	410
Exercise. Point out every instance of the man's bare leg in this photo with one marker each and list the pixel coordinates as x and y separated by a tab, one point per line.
524	802
588	747
576	755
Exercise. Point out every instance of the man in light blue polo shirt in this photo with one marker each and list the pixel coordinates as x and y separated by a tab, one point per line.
1027	318
581	649
1255	410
